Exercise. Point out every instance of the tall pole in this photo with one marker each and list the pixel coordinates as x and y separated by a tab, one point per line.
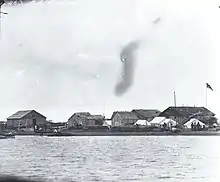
174	94
104	107
206	96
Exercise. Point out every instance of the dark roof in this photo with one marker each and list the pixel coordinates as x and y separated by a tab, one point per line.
81	114
146	113
21	114
125	114
186	111
96	117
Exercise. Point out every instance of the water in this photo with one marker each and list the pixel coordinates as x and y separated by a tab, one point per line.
112	158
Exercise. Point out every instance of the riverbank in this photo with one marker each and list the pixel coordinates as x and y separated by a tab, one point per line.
166	133
109	133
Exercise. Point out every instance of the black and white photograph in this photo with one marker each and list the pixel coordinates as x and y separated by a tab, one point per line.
109	90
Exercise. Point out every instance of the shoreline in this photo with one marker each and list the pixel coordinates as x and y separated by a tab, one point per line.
96	133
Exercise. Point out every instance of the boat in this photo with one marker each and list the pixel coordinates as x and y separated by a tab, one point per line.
7	135
3	137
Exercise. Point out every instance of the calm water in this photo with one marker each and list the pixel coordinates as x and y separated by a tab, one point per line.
113	158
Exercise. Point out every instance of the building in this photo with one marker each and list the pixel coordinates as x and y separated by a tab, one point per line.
25	119
85	119
184	113
95	120
57	125
78	118
146	114
2	125
123	118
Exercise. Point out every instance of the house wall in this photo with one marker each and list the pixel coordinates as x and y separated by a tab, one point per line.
2	126
73	121
118	120
27	121
93	122
70	123
84	121
89	122
179	120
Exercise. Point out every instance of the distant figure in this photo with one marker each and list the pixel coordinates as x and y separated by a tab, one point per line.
164	125
198	126
192	126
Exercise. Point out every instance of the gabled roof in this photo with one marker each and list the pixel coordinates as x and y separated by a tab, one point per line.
186	111
142	122
21	114
80	114
125	115
158	120
146	113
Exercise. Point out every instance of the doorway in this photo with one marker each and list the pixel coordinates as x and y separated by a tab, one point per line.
34	122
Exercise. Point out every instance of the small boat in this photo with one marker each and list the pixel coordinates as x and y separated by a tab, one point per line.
3	137
7	135
10	135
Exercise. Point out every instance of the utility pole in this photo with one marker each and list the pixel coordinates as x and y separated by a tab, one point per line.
174	95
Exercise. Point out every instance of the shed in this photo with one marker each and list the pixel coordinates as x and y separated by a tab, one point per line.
26	118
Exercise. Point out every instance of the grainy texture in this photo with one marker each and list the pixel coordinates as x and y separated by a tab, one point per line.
151	158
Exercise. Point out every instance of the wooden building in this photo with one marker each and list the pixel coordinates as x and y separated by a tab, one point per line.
146	114
2	125
184	113
26	119
85	119
123	118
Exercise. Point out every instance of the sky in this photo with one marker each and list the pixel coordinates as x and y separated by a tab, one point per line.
61	57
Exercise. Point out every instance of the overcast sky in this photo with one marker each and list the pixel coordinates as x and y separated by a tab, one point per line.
62	57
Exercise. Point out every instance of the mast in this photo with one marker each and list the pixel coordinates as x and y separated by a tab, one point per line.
206	96
174	96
